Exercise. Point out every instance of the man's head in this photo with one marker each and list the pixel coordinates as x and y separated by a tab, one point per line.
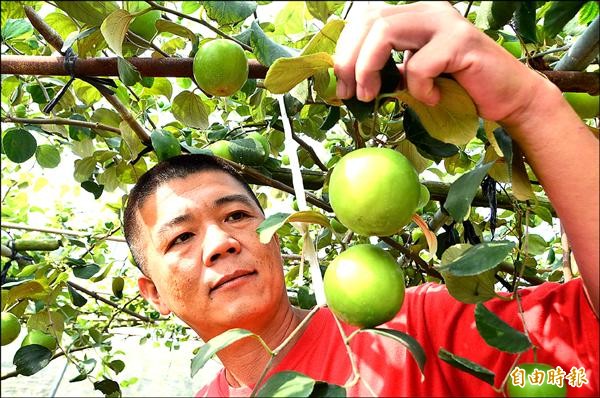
172	168
191	223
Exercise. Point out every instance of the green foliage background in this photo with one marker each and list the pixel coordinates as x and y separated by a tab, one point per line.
99	159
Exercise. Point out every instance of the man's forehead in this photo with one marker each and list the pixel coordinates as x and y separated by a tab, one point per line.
204	183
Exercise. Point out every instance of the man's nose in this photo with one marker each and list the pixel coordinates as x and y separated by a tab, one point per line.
218	244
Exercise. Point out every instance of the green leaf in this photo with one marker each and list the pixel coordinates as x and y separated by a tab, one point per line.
494	14
93	188
216	344
108	387
427	145
504	141
319	10
535	244
32	358
247	151
19	145
14	28
114	28
89	12
162	25
47	156
31	289
128	74
543	213
525	21
265	49
271	224
326	39
131	145
117	366
499	334
467	289
468	366
161	86
165	144
62	24
287	384
49	322
87	93
557	16
453	120
463	190
189	109
479	258
323	390
77	299
285	73
333	116
85	368
588	12
87	271
84	168
406	340
229	12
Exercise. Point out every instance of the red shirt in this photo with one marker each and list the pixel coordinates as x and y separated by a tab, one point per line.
559	319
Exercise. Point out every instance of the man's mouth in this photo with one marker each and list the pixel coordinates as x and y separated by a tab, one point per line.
230	278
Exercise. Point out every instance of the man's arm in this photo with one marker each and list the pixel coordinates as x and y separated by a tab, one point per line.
559	147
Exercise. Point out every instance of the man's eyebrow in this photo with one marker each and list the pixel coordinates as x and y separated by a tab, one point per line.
172	223
234	198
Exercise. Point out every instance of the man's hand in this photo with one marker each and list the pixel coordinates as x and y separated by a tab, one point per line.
439	40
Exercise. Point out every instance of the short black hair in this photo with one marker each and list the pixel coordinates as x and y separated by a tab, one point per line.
179	166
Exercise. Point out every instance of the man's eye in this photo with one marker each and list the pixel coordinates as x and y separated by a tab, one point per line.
236	216
182	238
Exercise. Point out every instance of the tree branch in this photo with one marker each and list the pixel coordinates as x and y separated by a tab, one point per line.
586	82
82	234
56	41
106	301
62	121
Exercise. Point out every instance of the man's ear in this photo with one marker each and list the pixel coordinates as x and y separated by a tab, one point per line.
150	292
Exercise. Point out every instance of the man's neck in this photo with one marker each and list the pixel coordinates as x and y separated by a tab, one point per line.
246	359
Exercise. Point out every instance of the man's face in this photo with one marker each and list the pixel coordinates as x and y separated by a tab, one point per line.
204	257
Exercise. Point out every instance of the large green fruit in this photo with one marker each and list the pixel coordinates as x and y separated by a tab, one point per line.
10	327
220	67
529	389
364	286
38	337
374	191
586	105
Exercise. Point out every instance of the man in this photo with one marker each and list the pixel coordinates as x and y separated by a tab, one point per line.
191	224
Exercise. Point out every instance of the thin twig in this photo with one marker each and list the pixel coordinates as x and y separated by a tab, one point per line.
310	150
201	22
106	301
281	346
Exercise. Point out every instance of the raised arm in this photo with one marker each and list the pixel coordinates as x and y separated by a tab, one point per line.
557	144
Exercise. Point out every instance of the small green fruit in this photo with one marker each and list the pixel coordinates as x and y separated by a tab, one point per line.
587	106
221	148
528	389
10	327
36	336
